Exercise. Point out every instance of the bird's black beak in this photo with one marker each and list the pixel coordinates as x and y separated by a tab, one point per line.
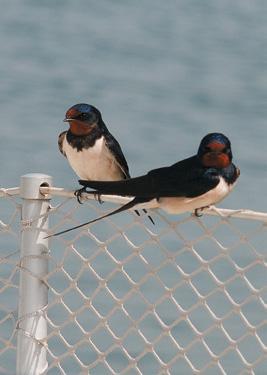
68	119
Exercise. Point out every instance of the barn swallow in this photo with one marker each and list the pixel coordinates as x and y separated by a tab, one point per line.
92	151
188	185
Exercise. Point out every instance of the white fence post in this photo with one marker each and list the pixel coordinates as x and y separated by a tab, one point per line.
33	293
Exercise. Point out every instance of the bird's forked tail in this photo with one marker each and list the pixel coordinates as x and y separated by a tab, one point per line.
125	207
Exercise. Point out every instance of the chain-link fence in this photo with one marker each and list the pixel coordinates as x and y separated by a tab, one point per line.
122	296
10	208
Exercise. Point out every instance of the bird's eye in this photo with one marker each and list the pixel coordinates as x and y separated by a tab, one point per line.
83	116
207	148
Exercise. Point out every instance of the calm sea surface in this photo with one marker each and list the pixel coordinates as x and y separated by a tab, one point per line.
163	74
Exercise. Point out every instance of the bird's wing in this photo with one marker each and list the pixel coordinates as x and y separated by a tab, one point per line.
131	187
60	142
186	178
115	148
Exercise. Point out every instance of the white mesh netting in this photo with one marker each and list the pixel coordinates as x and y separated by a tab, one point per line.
10	210
187	295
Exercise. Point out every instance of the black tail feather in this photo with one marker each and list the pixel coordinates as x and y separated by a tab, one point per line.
146	213
126	206
150	217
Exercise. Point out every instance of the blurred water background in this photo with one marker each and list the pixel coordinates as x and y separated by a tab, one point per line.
163	74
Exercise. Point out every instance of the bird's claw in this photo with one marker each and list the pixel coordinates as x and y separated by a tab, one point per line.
199	211
98	198
78	194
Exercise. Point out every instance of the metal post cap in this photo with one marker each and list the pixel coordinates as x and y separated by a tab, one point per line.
30	185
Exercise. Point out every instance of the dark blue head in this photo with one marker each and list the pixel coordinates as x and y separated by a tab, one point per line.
83	118
215	151
83	112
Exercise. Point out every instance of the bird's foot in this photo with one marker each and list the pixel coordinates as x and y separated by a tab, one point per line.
199	211
78	194
98	198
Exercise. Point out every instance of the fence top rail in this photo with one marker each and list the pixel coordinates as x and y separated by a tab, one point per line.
61	192
9	191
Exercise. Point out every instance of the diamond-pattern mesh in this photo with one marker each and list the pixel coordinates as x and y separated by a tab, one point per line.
187	295
9	278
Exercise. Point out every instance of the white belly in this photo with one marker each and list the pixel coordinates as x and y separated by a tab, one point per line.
95	163
177	205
